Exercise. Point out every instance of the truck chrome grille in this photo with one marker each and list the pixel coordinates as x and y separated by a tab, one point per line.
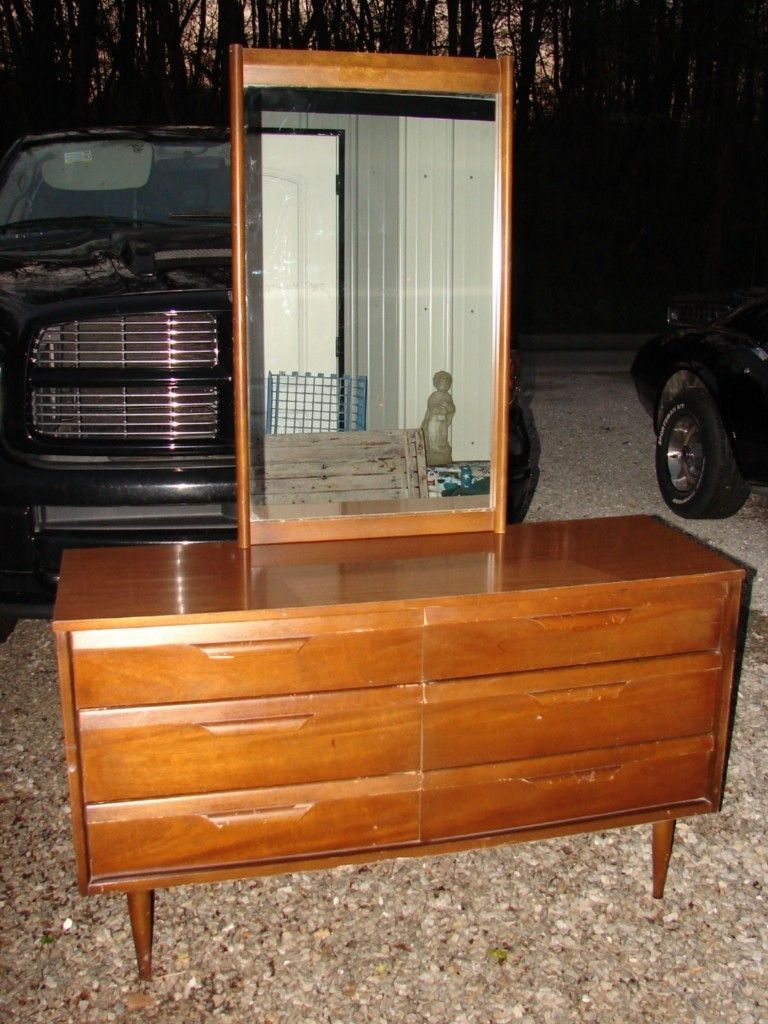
695	314
168	339
159	412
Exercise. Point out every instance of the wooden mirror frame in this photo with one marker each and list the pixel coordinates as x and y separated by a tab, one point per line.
461	76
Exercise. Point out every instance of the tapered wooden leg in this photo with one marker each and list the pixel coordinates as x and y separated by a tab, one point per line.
141	907
663	834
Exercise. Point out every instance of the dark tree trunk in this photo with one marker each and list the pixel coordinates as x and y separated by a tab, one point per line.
452	12
126	63
487	40
467	28
48	78
231	29
531	28
84	53
729	41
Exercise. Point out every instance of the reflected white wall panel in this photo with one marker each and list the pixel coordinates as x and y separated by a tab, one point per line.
372	181
472	299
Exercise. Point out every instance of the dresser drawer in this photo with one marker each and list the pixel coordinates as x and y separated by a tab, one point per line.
247	659
535	714
272	741
502	797
254	826
510	636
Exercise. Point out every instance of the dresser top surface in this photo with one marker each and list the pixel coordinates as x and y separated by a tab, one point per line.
159	583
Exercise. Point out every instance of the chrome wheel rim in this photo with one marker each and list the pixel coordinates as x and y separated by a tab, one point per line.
685	454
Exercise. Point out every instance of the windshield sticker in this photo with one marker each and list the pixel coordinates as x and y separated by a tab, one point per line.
78	156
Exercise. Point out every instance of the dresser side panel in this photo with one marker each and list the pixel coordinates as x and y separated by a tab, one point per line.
72	757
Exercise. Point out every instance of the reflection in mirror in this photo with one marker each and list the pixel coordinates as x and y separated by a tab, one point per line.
370	301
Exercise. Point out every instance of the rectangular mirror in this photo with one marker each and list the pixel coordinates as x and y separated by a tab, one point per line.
371	283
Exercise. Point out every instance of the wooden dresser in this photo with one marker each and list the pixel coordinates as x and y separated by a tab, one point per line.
231	712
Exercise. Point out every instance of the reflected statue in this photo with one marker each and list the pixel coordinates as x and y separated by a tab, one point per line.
437	421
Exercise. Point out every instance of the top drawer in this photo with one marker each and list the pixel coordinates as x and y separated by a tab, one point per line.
249	659
571	628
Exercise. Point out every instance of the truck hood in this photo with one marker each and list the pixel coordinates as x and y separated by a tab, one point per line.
124	262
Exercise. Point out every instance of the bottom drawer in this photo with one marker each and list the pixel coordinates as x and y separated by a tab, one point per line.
258	825
515	795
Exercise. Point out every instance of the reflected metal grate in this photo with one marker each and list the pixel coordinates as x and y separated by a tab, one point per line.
157	412
167	339
308	403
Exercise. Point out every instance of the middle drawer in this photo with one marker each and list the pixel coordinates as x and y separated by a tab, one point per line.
560	711
130	753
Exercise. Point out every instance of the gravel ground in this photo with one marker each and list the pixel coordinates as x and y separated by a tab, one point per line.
558	931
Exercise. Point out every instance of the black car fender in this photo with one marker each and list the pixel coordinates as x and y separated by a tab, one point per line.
735	373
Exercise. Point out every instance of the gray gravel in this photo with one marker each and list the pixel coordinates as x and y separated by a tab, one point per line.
557	931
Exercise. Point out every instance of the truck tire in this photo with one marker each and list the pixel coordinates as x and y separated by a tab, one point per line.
697	474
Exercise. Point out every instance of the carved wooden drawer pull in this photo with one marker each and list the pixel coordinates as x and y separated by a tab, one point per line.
580	694
291	645
266	814
243	726
582	620
605	773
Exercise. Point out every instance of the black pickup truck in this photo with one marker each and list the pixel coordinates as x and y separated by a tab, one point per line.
116	420
116	416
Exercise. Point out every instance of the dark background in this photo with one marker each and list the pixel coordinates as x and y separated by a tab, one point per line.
641	125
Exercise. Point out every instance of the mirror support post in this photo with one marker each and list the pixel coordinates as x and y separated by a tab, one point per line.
504	281
239	338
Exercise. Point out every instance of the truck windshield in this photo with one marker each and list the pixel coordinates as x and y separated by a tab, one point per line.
125	181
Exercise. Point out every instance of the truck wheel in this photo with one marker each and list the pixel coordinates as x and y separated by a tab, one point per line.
695	468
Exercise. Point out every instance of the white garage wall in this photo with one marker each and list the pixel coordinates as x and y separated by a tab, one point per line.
447	201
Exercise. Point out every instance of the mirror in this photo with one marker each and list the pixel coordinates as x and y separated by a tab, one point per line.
370	293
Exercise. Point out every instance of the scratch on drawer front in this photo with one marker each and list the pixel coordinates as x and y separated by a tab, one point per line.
294	812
